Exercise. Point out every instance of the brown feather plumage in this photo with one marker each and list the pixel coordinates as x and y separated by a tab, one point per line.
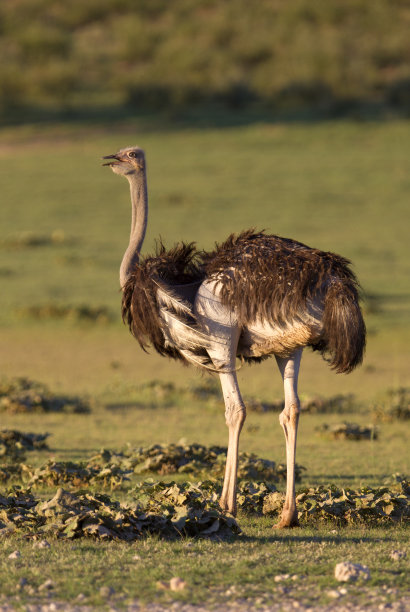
266	277
140	305
261	277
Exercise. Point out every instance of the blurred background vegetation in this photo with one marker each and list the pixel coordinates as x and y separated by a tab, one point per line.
102	56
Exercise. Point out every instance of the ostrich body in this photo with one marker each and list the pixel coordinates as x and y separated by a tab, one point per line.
254	296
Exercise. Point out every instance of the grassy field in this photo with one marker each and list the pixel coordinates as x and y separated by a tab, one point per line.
339	186
217	572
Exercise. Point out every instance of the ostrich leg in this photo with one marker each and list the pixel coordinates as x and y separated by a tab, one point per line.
235	414
221	326
289	418
223	357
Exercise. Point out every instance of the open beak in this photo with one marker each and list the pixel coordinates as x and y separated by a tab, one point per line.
114	157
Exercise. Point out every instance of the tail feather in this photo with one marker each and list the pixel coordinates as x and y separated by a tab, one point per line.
344	330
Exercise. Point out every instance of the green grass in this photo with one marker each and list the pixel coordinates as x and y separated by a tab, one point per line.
216	572
339	186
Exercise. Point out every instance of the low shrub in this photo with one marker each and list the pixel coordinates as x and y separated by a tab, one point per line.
348	431
192	459
393	405
14	444
24	395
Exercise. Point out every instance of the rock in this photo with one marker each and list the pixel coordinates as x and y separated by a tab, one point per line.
281	577
333	594
231	590
106	591
41	544
136	558
47	585
398	555
16	554
350	572
177	584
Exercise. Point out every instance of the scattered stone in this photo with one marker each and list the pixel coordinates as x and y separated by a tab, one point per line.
231	590
177	584
47	585
343	591
106	591
398	555
136	558
333	594
16	554
80	597
281	577
350	572
41	544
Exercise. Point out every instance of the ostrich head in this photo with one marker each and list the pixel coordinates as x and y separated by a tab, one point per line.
127	162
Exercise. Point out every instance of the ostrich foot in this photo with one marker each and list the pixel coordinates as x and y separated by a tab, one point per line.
288	519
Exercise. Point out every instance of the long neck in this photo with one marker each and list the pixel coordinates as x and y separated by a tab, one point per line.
139	202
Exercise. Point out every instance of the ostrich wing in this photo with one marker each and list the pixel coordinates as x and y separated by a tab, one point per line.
268	278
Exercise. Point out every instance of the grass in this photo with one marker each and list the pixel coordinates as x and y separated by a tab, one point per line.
339	186
245	568
242	567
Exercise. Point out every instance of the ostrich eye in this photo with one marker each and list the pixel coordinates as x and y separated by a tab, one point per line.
132	154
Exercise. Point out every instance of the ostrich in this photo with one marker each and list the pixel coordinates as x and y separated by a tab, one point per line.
254	296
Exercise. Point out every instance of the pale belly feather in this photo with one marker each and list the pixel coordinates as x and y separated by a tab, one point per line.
262	338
